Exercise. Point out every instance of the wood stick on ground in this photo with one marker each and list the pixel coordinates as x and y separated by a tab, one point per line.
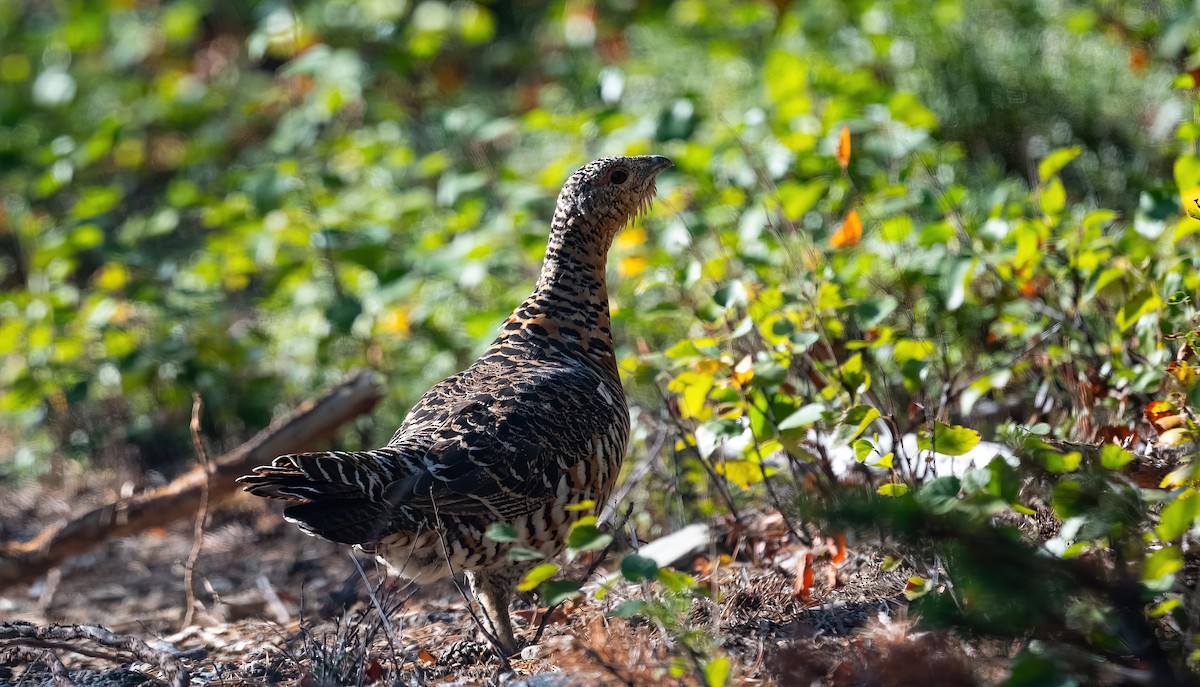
79	639
302	429
28	657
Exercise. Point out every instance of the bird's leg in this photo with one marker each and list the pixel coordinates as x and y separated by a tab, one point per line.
493	591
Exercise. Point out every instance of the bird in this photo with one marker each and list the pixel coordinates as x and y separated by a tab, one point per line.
531	435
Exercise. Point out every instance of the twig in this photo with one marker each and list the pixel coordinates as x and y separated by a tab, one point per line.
58	671
201	515
14	635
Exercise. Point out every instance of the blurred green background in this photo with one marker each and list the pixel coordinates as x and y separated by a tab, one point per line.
249	199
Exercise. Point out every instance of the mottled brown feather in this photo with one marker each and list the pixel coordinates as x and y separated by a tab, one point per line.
537	424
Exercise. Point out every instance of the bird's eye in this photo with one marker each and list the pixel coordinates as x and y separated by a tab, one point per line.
618	177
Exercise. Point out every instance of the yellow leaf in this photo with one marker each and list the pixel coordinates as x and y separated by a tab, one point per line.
849	233
743	473
631	237
631	266
843	148
396	322
111	277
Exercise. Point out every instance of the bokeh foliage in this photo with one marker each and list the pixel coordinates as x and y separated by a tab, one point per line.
248	199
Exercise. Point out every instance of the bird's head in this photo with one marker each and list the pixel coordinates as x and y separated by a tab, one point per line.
602	197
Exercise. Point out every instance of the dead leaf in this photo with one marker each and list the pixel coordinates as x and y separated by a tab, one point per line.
374	671
425	657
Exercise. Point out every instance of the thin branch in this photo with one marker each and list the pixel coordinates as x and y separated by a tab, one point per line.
201	514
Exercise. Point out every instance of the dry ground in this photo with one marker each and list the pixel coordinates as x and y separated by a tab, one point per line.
278	607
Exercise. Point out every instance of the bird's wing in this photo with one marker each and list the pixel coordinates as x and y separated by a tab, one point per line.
501	452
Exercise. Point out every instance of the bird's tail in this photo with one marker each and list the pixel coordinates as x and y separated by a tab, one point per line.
337	495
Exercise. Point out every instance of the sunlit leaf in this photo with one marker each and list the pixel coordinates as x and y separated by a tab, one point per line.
537	576
803	417
1165	561
949	440
1055	161
716	672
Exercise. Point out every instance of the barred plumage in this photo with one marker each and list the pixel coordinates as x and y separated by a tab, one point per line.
537	424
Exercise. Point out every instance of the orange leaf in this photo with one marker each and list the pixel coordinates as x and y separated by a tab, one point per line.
843	148
425	657
839	552
849	233
743	372
803	584
1163	415
1138	59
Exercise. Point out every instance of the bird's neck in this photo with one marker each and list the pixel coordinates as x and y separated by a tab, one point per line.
569	304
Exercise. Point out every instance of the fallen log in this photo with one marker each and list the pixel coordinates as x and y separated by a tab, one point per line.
309	424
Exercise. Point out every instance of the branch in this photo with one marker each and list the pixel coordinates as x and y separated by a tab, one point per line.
314	421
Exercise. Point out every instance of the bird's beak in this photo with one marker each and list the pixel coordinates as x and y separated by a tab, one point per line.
659	163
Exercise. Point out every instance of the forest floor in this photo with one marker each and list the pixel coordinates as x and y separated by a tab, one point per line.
278	607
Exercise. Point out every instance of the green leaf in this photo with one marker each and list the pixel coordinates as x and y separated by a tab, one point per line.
940	495
853	423
555	592
1165	561
1114	457
863	449
637	568
911	349
676	581
854	376
1061	462
803	417
1055	161
730	294
520	554
892	489
917	587
631	608
501	532
586	536
1054	198
949	440
1165	607
1178	516
1135	308
537	576
716	672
